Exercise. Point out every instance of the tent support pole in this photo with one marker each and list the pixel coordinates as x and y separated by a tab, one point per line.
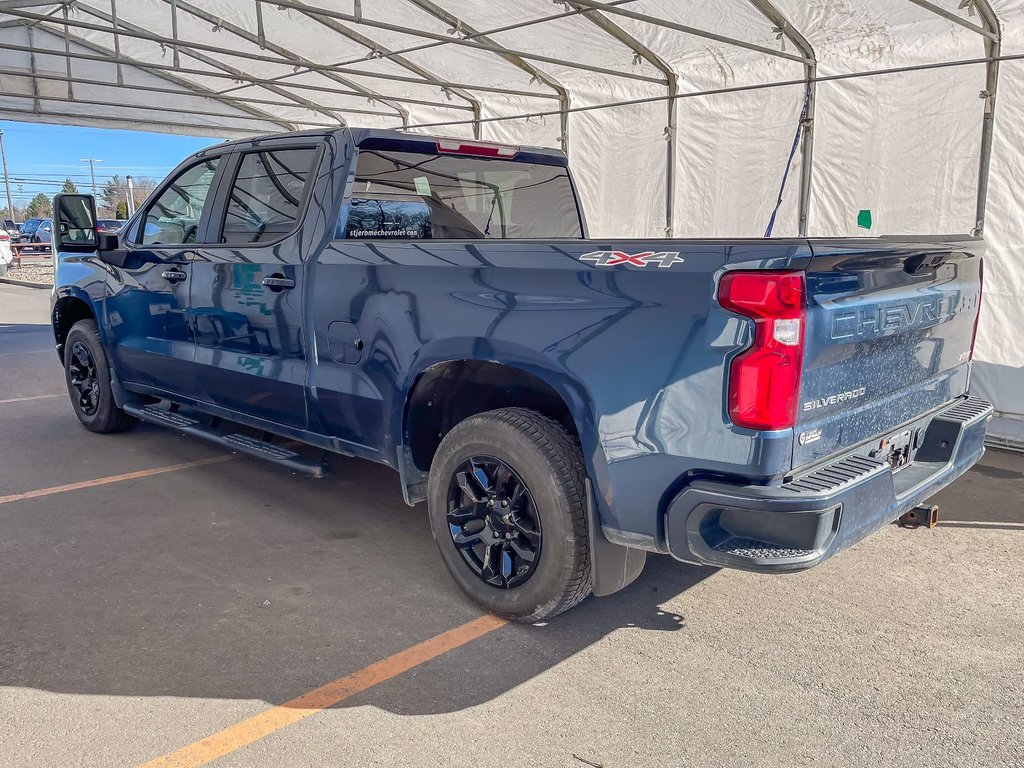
106	53
133	29
117	42
32	66
512	58
471	41
959	20
377	50
770	12
993	51
618	33
286	53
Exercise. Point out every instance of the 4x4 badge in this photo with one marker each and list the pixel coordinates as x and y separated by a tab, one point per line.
645	259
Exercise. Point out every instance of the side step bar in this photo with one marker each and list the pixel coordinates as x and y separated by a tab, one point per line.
251	446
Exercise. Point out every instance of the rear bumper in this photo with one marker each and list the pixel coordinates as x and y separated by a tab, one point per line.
803	522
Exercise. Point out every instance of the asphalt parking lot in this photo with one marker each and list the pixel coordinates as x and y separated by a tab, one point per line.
160	599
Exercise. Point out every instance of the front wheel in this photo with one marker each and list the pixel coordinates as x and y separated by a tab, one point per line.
87	372
507	506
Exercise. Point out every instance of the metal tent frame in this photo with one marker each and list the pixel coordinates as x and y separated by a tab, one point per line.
273	86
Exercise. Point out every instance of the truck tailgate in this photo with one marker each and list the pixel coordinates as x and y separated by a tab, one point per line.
889	334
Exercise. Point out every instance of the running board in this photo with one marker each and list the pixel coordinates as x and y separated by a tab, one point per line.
251	446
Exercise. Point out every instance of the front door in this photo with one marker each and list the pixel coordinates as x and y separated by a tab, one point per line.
248	286
147	311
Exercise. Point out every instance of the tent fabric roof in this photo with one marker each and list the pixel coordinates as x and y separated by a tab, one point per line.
678	117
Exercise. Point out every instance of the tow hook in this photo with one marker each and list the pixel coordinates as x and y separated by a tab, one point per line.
926	515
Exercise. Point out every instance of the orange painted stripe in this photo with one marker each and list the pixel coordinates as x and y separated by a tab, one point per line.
31	397
115	478
265	723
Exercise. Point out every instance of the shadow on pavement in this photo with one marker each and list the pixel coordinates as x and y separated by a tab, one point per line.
237	581
979	498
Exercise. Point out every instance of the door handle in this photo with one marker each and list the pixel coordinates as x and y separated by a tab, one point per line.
173	275
278	282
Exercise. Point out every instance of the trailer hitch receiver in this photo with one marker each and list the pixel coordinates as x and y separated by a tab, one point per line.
926	515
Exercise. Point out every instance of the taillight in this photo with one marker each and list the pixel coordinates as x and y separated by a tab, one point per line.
764	381
977	317
480	148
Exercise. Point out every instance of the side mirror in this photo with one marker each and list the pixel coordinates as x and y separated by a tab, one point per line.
75	219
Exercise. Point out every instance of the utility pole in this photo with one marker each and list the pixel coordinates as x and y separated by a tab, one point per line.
92	170
7	180
131	196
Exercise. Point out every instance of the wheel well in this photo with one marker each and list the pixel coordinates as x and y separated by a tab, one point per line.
448	393
67	312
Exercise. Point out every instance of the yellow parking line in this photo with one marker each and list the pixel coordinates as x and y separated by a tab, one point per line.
31	397
115	478
259	726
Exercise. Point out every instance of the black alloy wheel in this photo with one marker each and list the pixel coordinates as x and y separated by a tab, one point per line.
83	378
493	522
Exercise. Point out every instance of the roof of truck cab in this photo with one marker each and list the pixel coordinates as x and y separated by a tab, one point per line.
359	136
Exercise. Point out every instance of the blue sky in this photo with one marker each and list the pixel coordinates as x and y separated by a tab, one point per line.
40	156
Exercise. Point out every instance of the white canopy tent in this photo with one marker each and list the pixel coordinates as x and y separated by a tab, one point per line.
683	118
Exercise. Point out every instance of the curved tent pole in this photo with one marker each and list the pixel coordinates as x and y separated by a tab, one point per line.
280	50
770	12
208	60
169	73
379	51
563	93
199	90
687	30
126	29
641	50
470	41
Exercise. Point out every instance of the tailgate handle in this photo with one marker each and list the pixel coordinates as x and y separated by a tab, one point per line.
923	261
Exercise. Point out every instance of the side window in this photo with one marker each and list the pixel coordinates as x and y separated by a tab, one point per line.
173	218
266	196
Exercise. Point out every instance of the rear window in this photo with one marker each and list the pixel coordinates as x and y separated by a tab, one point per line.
404	195
266	196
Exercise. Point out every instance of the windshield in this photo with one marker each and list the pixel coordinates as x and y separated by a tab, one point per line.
404	195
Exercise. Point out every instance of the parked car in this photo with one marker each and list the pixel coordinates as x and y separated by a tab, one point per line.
12	229
28	229
109	225
564	405
43	234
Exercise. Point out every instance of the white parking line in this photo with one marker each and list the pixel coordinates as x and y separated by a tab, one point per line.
31	397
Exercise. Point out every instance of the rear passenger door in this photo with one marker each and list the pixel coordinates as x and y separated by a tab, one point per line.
248	285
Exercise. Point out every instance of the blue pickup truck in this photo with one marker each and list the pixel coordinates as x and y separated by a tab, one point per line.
564	405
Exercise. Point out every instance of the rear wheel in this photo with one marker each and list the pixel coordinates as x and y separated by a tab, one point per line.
87	372
508	513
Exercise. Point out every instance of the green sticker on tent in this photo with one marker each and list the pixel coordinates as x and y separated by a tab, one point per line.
864	219
422	186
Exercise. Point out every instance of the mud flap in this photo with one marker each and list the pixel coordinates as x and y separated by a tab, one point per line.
414	479
612	566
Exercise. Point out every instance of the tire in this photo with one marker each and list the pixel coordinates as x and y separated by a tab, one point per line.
91	396
534	452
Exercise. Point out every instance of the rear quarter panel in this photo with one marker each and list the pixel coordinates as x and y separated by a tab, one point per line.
638	353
